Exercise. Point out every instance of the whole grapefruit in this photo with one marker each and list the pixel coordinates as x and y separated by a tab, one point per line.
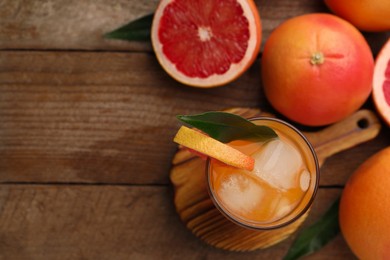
206	43
364	211
317	69
367	15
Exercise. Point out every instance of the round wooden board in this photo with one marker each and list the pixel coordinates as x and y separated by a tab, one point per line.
197	211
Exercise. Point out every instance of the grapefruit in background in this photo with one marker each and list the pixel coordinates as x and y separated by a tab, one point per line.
317	69
364	211
381	83
206	43
366	15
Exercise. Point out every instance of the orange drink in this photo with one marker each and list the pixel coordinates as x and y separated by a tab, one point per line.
279	189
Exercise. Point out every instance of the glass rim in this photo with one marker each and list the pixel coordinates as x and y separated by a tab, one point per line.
299	214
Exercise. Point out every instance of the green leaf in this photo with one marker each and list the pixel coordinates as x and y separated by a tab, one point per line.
226	127
137	30
317	235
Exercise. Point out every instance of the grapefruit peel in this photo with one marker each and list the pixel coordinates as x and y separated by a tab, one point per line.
316	69
366	15
204	144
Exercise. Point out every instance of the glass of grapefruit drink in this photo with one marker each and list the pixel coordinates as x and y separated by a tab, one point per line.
279	189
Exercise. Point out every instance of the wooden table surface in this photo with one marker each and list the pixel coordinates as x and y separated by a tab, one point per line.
86	127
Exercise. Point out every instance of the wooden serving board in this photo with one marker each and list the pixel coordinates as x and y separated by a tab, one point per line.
198	212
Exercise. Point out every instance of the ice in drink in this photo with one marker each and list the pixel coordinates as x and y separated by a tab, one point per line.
280	187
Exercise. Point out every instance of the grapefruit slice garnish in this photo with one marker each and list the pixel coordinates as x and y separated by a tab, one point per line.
381	82
204	144
206	43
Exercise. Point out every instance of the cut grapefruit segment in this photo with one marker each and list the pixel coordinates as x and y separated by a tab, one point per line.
206	43
381	83
204	144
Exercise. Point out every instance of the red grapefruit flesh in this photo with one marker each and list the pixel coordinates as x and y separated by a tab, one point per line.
206	43
381	83
204	144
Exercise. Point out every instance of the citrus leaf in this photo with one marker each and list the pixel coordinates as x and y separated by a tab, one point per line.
226	127
317	235
137	30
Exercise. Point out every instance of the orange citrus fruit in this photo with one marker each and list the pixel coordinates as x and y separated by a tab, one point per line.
367	15
364	211
204	144
381	82
317	69
206	43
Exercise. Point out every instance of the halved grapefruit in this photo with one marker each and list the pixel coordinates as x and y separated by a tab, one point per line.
204	144
206	43
381	82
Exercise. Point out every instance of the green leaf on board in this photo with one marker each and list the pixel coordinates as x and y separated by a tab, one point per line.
317	235
137	30
226	127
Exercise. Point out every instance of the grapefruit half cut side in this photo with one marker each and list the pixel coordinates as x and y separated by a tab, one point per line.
206	43
381	82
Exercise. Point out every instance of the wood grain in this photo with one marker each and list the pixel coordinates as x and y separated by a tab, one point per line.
360	127
67	25
56	24
114	222
98	117
109	117
86	126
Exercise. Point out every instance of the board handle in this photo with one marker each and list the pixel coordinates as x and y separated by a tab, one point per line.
360	127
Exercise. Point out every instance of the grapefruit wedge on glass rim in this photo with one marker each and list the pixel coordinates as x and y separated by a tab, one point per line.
381	82
206	43
204	145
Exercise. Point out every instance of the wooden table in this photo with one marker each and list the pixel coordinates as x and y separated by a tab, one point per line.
86	127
